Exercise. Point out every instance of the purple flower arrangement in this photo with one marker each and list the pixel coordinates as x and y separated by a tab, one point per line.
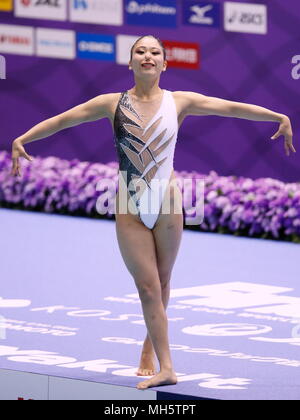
262	208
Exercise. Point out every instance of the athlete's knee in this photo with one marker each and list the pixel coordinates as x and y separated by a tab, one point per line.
164	277
148	288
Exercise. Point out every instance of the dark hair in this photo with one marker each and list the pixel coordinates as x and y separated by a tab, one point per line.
151	36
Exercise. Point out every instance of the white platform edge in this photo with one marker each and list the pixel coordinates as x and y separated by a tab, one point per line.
25	385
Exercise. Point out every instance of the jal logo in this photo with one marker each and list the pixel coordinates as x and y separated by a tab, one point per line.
54	3
2	67
41	9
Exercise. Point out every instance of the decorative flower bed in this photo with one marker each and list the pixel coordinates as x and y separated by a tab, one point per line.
263	208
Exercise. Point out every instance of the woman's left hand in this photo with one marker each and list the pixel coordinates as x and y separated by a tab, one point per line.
285	129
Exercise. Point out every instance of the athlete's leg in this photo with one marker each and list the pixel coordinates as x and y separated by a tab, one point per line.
167	235
137	247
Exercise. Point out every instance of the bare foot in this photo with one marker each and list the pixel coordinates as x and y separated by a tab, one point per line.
147	364
165	377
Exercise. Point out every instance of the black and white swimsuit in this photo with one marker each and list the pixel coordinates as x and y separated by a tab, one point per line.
146	154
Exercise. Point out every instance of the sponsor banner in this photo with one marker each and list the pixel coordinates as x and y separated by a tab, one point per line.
104	12
41	9
183	54
245	17
161	13
56	43
16	39
201	13
124	44
95	46
6	5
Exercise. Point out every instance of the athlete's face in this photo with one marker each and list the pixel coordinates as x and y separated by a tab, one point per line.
148	58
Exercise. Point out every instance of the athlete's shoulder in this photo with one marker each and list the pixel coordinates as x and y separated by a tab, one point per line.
187	96
183	93
182	96
109	97
108	101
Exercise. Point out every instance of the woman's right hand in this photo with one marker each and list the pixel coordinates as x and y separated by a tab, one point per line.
17	152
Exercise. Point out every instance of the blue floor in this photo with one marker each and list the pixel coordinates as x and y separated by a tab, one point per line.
71	309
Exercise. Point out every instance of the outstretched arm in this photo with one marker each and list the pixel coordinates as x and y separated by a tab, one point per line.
198	104
91	110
